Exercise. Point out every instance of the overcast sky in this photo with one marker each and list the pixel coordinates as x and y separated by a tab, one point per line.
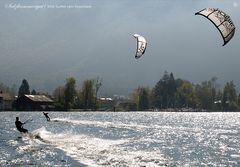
48	41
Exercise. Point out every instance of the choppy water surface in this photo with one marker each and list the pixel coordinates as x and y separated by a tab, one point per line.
121	139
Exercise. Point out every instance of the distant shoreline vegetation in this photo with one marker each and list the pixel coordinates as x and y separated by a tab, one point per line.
168	95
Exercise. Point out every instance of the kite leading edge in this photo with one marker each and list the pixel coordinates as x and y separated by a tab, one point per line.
221	21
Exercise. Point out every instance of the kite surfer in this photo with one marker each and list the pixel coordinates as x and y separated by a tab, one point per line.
46	115
19	126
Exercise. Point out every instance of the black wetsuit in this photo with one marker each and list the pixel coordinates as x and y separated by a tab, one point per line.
19	125
46	115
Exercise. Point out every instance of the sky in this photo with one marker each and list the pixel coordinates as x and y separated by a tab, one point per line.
47	41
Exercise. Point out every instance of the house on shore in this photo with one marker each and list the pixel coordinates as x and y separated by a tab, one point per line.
34	103
106	103
6	102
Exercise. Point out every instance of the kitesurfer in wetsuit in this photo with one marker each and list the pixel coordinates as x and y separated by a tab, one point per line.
19	126
46	115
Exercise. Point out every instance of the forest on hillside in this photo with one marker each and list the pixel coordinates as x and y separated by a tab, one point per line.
167	93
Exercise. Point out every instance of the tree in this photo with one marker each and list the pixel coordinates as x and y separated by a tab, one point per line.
206	93
5	89
24	88
59	97
185	96
229	101
97	84
164	91
33	92
77	100
87	94
160	92
238	101
141	98
218	101
171	91
69	92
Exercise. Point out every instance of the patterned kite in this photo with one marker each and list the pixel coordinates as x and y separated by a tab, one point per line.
141	45
222	22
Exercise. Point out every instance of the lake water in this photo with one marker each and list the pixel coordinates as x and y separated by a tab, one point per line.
121	139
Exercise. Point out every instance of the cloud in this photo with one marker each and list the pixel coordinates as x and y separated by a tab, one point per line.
235	4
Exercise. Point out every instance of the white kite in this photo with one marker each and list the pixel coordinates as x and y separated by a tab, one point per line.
141	45
222	22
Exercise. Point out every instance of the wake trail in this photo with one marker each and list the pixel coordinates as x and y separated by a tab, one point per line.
35	136
98	152
104	124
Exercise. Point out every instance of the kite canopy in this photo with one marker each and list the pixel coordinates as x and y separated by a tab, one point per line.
141	45
222	22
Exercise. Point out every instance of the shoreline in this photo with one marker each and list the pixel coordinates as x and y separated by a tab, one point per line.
147	111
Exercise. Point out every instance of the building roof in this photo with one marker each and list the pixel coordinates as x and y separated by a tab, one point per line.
6	96
106	99
39	98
